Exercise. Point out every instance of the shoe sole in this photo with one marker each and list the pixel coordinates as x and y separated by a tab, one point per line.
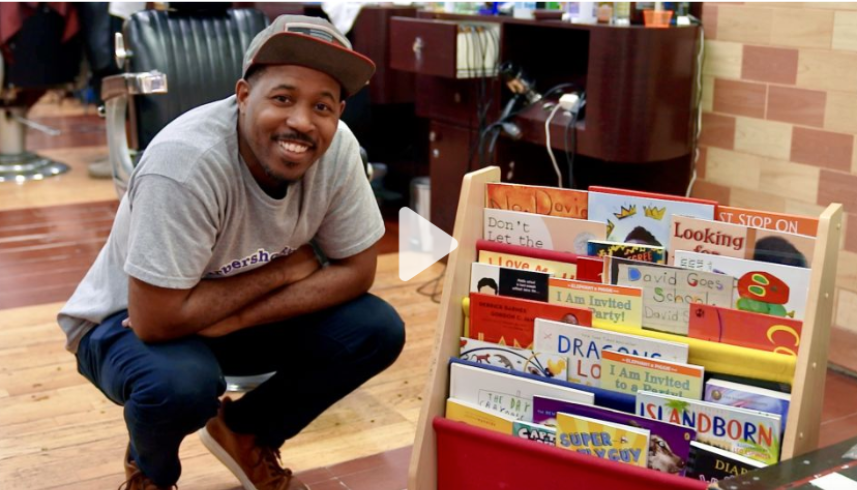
217	450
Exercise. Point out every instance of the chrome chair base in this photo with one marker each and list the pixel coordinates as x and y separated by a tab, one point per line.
25	166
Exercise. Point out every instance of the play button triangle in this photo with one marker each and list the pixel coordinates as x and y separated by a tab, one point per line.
421	244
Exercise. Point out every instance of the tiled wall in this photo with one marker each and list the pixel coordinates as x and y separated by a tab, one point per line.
779	121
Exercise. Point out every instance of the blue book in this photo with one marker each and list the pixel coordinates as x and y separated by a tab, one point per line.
749	397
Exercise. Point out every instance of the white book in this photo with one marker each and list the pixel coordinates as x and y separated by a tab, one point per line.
544	364
584	345
541	231
506	393
762	287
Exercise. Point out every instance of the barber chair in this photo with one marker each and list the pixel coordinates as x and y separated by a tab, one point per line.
199	51
35	59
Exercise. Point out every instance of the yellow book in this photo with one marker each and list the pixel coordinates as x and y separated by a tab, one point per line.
610	305
471	414
627	373
563	270
605	440
725	358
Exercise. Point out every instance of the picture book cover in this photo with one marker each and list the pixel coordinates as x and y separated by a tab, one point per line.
745	328
611	305
669	292
643	253
750	397
503	281
550	201
652	195
472	414
762	287
669	444
788	223
583	347
543	364
511	321
562	270
641	220
606	440
534	432
539	231
750	433
506	393
711	464
628	373
731	240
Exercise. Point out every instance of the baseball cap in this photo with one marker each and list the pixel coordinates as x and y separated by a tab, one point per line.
311	42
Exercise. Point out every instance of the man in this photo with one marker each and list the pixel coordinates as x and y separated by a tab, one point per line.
207	270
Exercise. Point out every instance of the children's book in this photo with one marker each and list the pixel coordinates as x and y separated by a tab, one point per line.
711	464
590	269
558	264
628	373
788	223
750	397
511	321
669	444
643	253
583	347
756	435
641	220
763	287
745	328
669	292
731	240
503	281
606	440
539	231
506	393
534	432
543	364
610	305
473	414
550	201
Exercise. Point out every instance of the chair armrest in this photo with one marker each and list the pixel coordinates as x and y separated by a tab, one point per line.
115	91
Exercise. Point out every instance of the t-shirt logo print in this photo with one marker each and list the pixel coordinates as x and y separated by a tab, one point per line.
260	256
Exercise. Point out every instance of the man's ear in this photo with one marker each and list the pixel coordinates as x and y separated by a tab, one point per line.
242	91
341	108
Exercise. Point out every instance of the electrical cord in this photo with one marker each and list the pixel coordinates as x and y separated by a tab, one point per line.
570	153
548	144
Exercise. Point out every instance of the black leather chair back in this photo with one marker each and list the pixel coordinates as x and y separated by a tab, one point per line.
201	53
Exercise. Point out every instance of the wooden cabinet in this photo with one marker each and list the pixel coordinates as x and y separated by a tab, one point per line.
636	131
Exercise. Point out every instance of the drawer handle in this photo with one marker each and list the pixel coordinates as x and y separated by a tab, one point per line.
418	49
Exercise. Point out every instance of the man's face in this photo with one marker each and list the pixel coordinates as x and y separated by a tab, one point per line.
287	119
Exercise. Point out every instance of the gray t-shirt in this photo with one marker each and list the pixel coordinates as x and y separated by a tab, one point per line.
194	211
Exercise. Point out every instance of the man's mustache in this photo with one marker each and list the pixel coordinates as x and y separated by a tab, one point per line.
294	136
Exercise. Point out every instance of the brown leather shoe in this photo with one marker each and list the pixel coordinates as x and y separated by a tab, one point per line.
135	479
256	467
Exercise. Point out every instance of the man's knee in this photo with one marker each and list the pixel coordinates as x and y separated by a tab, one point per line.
385	328
183	394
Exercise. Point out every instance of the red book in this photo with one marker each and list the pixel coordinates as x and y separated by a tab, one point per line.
510	321
745	328
587	268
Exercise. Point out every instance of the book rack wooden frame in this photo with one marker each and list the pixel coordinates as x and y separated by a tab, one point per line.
804	418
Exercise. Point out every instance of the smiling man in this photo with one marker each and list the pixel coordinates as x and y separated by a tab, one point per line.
209	270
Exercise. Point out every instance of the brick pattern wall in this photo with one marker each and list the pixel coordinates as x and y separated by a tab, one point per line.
780	118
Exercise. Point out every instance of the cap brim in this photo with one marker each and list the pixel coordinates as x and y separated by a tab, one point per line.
351	69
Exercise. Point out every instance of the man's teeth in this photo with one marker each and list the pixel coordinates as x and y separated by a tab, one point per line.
294	147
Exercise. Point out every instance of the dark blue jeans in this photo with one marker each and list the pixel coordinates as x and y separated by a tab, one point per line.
171	389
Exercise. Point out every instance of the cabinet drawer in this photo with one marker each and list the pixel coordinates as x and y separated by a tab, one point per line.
444	48
421	46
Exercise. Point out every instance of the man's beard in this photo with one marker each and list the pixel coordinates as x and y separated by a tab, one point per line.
279	179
